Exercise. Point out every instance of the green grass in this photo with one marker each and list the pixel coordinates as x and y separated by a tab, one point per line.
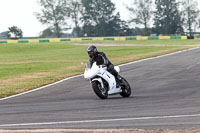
146	42
27	66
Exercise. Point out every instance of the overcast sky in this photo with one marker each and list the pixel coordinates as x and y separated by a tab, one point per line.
21	14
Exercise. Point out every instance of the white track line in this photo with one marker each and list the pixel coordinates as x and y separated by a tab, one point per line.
157	57
94	121
82	74
40	88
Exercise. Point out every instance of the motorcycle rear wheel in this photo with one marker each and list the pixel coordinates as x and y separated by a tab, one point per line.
99	91
126	89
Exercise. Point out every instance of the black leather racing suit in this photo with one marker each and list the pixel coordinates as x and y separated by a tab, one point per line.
101	59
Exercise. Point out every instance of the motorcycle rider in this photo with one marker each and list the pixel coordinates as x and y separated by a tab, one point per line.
101	59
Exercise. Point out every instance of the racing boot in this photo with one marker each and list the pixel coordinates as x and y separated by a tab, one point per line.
118	78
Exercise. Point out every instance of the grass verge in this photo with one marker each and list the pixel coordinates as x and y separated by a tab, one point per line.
27	66
144	42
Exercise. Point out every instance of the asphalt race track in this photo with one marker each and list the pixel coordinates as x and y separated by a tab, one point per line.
165	94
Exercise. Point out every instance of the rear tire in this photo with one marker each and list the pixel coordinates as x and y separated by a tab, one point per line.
100	92
126	89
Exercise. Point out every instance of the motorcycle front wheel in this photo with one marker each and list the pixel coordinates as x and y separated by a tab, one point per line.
126	88
99	90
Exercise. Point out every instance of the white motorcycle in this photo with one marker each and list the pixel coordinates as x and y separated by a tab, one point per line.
104	83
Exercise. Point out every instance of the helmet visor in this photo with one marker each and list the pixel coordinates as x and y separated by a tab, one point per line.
91	53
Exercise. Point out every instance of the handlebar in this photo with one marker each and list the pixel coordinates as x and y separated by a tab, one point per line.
102	66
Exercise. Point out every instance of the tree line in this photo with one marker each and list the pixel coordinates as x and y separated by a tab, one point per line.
88	17
99	18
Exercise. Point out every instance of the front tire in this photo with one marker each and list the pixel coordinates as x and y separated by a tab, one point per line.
126	88
99	91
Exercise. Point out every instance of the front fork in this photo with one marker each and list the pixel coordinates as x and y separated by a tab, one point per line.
99	80
101	86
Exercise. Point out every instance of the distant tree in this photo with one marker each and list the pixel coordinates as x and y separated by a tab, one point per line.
142	12
54	13
99	18
47	33
75	8
97	13
117	27
89	30
167	17
190	13
14	31
138	31
8	35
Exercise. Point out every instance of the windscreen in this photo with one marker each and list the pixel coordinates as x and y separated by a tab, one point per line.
88	66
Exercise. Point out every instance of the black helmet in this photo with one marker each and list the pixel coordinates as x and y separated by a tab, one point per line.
92	51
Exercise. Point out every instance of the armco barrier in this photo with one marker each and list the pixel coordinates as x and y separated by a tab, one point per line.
23	41
33	41
86	39
183	37
153	38
95	39
3	42
12	41
54	40
44	41
164	38
131	38
109	39
65	40
142	38
175	37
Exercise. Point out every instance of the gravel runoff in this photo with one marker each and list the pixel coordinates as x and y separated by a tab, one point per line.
101	131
